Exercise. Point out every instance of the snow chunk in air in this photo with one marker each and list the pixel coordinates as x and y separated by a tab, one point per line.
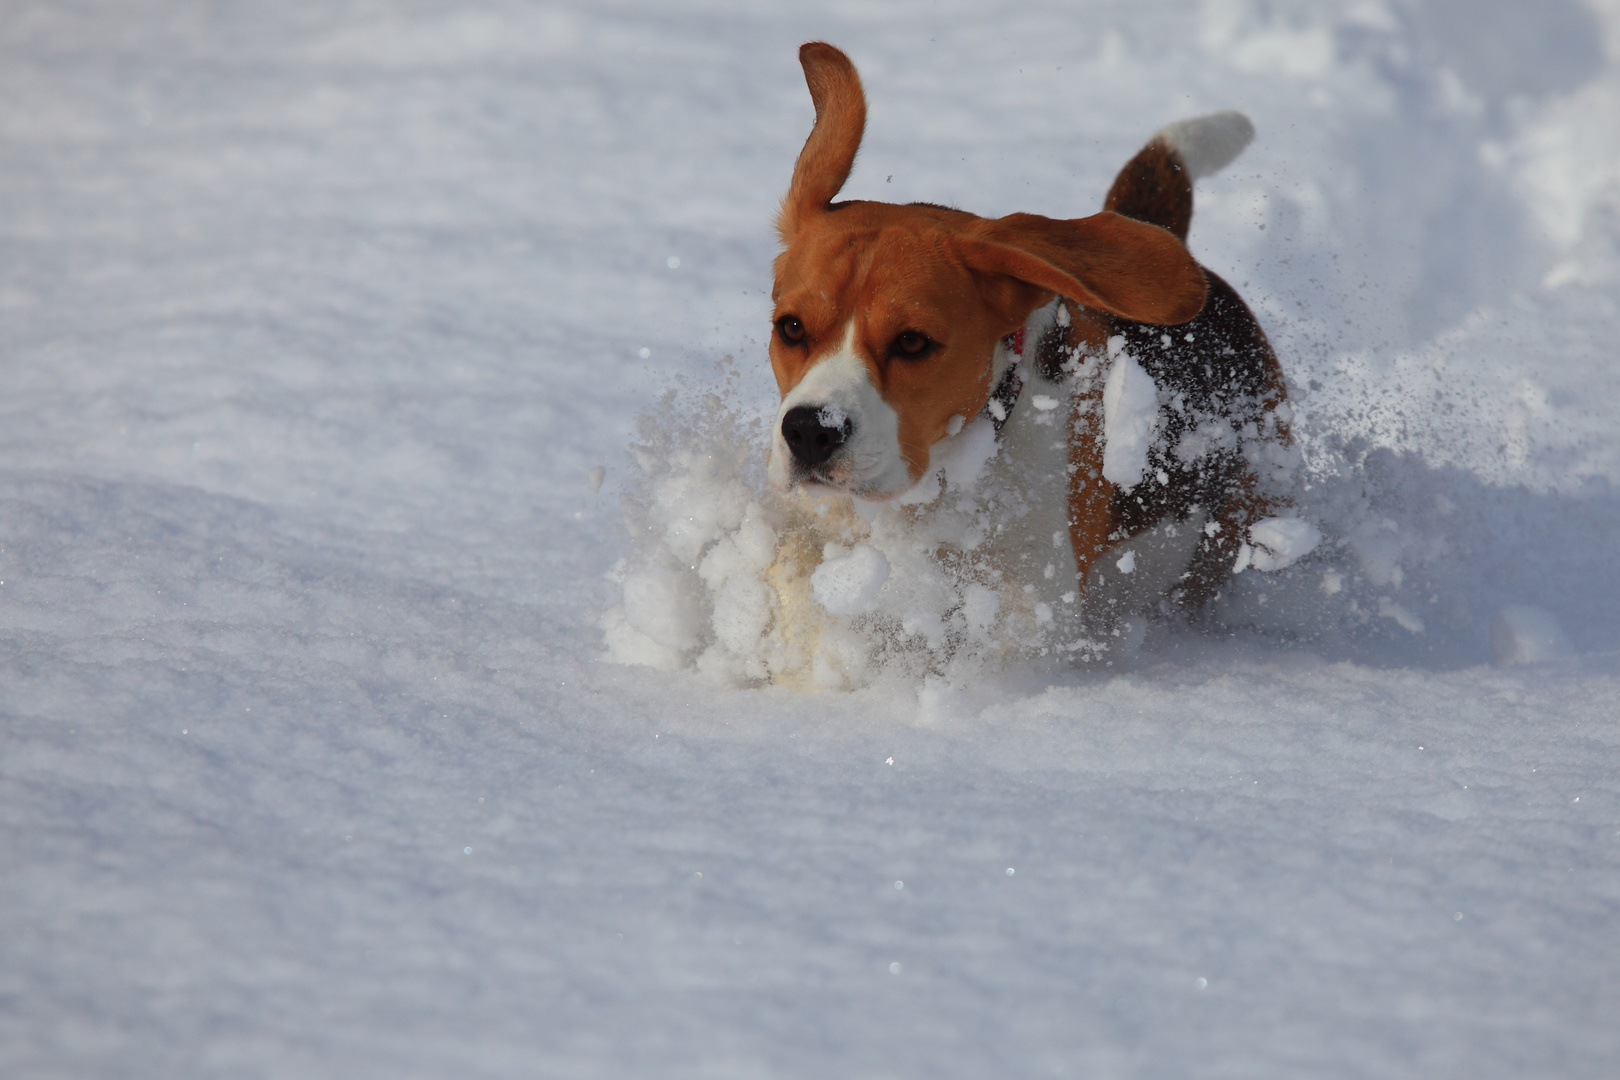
1281	542
1130	414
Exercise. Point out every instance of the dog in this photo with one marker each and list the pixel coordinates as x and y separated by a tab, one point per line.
1130	391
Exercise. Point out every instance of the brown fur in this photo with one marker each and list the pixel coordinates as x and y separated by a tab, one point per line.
1154	186
964	280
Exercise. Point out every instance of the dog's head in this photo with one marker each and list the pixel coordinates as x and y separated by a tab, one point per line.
887	316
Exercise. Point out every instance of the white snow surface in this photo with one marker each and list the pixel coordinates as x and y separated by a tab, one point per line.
315	319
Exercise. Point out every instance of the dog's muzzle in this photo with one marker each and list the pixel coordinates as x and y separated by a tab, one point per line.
814	434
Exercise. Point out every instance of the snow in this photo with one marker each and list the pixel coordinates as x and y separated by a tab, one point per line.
316	320
1281	542
1523	634
848	579
1130	414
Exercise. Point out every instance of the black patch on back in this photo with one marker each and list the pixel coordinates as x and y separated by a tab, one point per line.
1226	375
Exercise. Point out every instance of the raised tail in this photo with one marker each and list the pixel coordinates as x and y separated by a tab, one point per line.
1156	185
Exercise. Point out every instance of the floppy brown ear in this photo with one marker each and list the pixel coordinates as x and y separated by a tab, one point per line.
829	152
1128	268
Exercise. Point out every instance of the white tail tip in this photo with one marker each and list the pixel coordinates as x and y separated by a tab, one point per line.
1207	144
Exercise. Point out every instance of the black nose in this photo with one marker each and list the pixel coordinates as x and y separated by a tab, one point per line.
813	433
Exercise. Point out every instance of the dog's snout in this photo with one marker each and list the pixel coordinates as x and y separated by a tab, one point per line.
813	434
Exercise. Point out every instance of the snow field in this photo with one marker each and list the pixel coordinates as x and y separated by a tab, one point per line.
315	320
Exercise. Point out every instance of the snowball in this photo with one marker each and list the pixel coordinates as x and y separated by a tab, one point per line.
1281	542
1130	413
627	645
666	605
742	611
755	540
1521	634
698	503
745	552
723	562
847	583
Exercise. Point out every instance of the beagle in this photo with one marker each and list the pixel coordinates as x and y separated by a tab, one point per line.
1130	390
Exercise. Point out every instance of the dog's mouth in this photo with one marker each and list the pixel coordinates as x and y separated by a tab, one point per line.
834	481
821	478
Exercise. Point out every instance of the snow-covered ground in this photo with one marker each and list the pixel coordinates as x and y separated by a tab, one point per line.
314	318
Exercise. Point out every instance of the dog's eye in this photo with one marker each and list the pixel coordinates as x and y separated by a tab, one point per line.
912	345
790	329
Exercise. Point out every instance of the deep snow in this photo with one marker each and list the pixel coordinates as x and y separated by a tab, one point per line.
315	319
